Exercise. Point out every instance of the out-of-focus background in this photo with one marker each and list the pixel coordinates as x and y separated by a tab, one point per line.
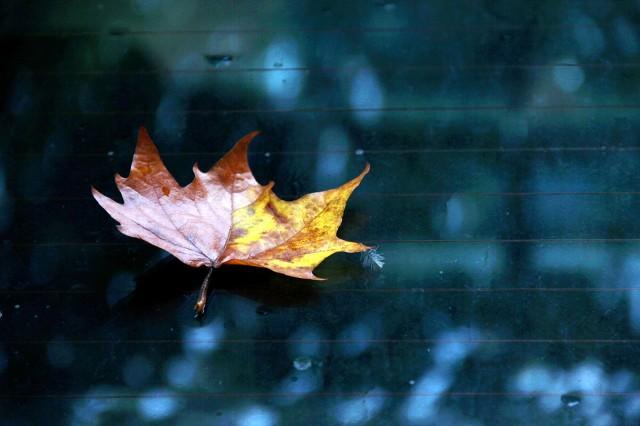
504	196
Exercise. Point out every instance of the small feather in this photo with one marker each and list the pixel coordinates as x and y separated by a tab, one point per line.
372	259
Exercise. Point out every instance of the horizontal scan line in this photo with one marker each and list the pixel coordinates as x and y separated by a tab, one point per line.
399	194
117	31
359	152
344	109
302	341
509	241
204	394
70	292
371	242
335	69
484	290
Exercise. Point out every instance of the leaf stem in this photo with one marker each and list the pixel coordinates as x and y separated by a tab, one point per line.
202	296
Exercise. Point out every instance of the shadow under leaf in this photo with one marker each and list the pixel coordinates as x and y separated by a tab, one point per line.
167	282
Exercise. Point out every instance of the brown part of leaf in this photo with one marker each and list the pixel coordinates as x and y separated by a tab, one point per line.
193	222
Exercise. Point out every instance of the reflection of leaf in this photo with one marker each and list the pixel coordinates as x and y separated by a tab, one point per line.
225	216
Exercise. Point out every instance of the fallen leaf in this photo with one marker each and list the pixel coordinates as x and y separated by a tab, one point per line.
226	216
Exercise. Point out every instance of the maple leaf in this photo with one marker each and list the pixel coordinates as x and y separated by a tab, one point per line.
224	216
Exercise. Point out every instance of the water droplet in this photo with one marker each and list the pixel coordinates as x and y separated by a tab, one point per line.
219	61
267	154
571	399
412	382
302	363
263	310
359	151
16	306
110	153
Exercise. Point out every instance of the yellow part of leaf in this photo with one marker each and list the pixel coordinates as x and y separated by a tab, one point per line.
291	237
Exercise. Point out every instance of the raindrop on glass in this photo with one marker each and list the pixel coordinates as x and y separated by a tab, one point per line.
571	399
263	310
219	61
302	363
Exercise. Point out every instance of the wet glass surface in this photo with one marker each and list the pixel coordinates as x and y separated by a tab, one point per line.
503	202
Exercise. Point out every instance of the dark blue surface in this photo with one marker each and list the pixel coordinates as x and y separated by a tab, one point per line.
503	195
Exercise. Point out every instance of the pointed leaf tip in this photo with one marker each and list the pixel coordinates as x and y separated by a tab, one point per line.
99	196
144	139
356	180
242	146
367	168
237	159
244	141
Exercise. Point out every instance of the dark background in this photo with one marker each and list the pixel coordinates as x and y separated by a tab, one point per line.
503	140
